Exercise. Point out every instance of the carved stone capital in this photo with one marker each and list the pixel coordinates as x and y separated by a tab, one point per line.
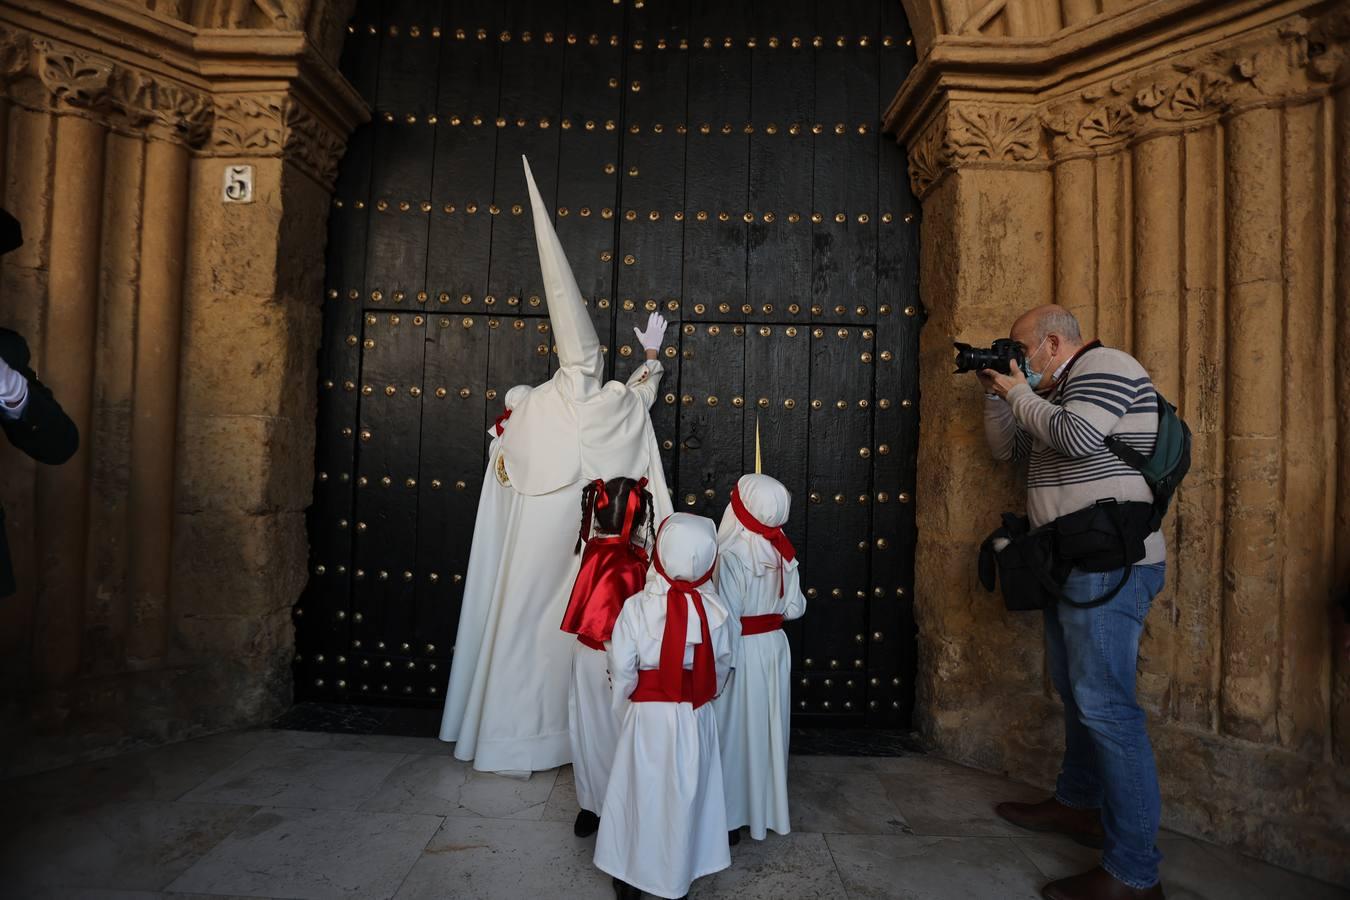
972	133
234	78
1289	60
276	125
43	74
1284	61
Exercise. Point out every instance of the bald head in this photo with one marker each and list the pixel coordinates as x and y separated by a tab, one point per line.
1049	319
1049	336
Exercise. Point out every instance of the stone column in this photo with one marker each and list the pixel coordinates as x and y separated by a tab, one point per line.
158	566
62	493
988	204
155	408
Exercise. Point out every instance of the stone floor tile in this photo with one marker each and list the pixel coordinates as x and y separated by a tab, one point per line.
906	867
312	853
66	893
944	799
877	765
843	803
164	773
491	858
445	786
391	743
562	803
279	739
69	893
315	779
795	866
1191	870
125	845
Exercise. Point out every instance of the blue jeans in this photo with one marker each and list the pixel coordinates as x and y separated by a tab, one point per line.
1108	760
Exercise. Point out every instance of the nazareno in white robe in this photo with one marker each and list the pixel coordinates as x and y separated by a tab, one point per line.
663	823
506	702
753	712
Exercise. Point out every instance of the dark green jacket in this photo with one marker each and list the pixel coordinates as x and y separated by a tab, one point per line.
44	432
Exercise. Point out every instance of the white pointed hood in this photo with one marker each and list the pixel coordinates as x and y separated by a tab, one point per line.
578	346
574	427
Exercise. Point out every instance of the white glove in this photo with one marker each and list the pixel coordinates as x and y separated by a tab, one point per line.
656	331
13	388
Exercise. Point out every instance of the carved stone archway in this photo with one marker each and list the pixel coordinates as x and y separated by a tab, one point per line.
1175	171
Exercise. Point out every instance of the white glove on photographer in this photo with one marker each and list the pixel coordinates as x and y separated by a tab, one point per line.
653	335
13	392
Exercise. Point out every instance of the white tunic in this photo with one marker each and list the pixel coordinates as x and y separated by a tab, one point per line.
754	712
506	703
663	822
593	724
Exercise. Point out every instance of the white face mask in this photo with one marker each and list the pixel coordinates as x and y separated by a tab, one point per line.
1034	378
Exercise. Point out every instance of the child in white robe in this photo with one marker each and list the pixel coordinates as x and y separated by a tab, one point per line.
664	823
758	582
613	568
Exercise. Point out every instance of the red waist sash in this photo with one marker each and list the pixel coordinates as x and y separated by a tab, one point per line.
649	689
591	642
760	624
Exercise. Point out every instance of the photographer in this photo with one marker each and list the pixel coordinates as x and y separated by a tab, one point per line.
1057	410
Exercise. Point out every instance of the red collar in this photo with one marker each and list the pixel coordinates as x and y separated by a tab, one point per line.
771	533
673	638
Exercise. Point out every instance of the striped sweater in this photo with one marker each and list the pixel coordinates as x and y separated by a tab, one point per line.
1064	437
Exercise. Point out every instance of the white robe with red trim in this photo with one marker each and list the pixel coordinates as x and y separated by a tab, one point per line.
754	712
663	823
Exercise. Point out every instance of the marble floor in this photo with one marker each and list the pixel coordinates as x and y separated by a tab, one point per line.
301	814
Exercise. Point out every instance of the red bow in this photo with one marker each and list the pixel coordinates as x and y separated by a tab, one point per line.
771	533
500	424
673	639
601	495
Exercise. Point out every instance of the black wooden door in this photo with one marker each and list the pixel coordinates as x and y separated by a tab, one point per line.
719	162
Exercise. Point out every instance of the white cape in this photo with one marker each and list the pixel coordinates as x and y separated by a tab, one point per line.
506	703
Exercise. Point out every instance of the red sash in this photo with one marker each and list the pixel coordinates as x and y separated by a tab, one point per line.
773	534
672	673
591	642
760	624
650	689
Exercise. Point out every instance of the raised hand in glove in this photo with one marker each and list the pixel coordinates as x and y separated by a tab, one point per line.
13	391
651	337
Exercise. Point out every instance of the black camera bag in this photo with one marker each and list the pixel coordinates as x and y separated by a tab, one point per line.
1033	565
1022	566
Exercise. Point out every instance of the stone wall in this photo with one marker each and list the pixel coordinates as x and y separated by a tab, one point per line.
158	567
1180	182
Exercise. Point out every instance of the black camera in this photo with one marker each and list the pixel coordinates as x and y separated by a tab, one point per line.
997	357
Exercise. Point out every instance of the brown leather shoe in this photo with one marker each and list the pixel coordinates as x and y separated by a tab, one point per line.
1098	884
1083	825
